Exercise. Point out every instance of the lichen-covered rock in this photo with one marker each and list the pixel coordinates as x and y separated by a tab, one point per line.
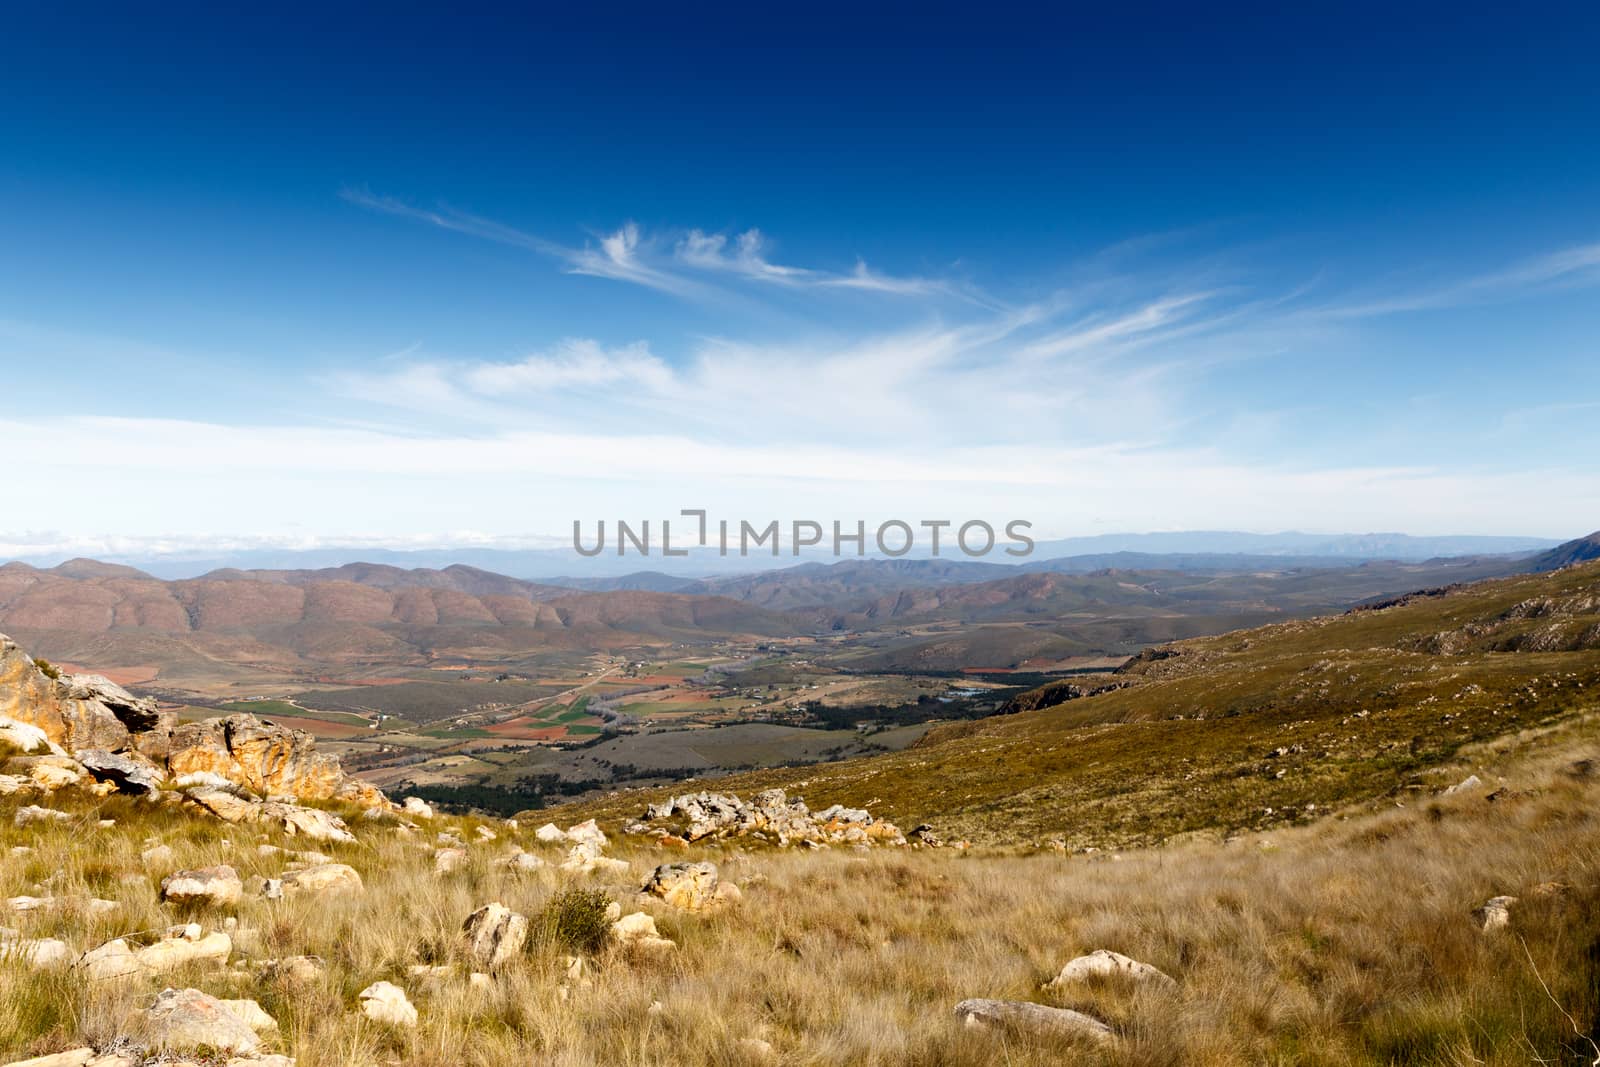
187	1020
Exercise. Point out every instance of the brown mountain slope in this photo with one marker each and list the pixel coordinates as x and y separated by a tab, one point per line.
295	621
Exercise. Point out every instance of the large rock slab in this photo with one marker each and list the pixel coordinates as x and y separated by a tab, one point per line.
1021	1016
130	773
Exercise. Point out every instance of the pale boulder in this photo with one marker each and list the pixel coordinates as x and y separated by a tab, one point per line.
1103	963
217	886
385	1002
495	935
688	886
638	933
28	816
323	878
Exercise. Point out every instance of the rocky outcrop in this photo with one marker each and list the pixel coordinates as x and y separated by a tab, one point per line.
73	711
129	742
234	805
769	815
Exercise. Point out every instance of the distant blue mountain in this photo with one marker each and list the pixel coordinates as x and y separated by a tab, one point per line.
1194	550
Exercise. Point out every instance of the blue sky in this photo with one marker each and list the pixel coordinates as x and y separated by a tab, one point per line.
311	277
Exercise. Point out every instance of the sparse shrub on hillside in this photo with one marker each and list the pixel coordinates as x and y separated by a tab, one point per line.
48	669
576	919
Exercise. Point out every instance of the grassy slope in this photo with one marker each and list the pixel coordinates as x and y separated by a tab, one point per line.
1364	703
1340	943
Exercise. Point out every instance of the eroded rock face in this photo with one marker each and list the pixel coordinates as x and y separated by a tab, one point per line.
261	756
73	712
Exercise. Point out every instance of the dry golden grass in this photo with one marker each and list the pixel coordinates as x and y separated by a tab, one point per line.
1348	941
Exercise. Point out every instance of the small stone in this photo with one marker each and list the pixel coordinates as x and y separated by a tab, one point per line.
418	807
160	856
1495	913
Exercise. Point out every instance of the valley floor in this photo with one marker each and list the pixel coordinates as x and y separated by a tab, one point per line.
1351	940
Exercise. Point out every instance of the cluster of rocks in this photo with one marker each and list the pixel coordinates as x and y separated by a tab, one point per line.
85	731
587	852
769	816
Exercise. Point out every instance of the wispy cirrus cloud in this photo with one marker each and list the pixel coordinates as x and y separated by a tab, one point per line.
1578	265
665	263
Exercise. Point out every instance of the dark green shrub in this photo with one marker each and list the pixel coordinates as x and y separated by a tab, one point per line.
576	919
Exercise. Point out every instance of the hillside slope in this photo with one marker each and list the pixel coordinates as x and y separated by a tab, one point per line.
1247	730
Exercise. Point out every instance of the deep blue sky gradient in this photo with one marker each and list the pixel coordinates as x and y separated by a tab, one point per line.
178	237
